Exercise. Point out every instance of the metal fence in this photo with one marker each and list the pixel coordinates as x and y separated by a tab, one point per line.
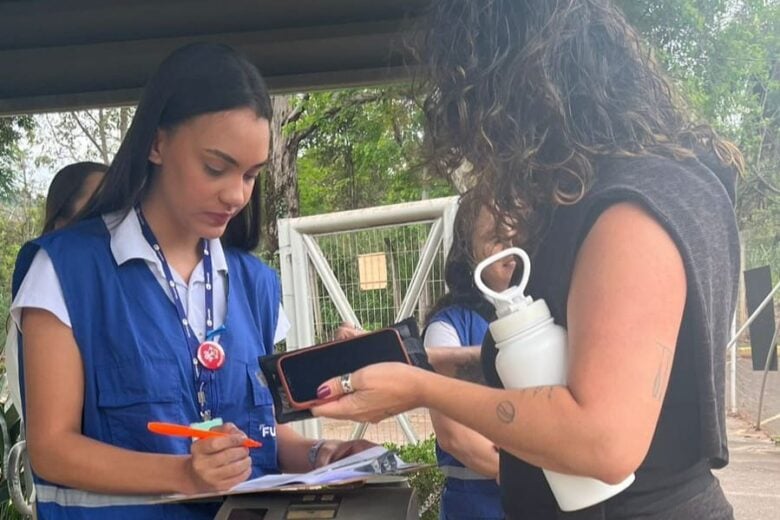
372	267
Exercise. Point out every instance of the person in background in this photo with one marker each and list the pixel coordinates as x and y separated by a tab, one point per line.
626	205
468	460
69	191
151	307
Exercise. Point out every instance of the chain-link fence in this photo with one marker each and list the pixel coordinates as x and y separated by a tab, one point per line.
374	267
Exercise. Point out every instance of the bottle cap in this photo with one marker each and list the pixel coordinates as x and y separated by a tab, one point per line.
513	298
521	319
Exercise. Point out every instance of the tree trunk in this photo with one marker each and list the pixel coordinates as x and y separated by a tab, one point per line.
280	184
350	167
124	122
102	124
395	278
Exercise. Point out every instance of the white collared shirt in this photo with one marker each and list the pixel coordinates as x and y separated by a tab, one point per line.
41	288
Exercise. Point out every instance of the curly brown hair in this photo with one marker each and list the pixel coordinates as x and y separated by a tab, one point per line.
531	93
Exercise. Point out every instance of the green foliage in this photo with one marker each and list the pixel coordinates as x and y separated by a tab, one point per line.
10	428
428	482
363	148
12	130
20	222
7	511
724	56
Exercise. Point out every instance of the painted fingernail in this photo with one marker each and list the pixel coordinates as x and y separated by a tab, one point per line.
323	392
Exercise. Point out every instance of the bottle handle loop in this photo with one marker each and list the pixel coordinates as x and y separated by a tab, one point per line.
512	294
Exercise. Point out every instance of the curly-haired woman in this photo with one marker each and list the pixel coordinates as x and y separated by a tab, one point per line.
626	204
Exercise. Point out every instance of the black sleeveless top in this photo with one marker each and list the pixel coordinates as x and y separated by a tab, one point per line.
694	201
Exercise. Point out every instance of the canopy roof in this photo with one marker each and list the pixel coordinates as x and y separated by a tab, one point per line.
69	54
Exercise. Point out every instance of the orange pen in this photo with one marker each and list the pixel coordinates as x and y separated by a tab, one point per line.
177	430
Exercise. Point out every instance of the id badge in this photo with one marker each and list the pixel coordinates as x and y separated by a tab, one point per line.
207	425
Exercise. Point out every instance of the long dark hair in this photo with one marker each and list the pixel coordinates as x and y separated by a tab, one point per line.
65	188
532	93
196	79
460	263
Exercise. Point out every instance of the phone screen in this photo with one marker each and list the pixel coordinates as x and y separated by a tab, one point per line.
307	370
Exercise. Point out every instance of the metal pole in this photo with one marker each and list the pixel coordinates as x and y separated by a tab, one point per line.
753	316
772	352
329	280
733	371
404	213
427	256
733	354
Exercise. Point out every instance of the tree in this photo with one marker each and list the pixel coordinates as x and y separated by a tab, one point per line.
12	131
725	58
83	135
21	215
280	183
340	150
366	153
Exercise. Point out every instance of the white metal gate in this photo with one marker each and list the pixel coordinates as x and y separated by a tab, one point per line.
371	267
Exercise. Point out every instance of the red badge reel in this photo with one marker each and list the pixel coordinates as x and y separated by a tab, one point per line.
211	355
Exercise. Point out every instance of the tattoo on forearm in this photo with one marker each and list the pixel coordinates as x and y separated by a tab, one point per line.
471	371
505	411
663	372
539	389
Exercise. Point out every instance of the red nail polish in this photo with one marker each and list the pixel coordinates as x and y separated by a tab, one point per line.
323	392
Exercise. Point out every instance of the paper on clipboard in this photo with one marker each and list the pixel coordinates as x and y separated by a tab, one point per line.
371	463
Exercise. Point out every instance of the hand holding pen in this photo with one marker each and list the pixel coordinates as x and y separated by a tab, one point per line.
218	460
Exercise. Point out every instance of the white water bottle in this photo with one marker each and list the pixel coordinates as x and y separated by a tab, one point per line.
532	352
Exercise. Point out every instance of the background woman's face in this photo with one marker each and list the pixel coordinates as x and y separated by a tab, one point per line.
485	243
207	168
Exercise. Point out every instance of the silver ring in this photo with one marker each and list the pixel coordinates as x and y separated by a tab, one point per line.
346	383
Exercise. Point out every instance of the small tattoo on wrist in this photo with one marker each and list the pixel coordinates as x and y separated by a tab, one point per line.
505	411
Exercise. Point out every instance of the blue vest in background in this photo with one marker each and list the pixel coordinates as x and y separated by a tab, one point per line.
466	495
138	365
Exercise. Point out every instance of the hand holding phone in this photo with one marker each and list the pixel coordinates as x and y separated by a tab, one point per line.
293	377
302	371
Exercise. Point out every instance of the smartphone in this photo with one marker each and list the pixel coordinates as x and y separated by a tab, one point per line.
302	371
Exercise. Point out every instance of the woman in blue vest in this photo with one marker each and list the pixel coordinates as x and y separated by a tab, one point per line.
151	308
468	459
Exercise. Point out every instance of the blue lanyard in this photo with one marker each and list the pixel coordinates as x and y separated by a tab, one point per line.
192	339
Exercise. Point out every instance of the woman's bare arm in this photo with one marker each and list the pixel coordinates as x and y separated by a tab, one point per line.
625	307
60	453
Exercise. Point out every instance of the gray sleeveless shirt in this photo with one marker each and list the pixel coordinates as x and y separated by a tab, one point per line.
694	201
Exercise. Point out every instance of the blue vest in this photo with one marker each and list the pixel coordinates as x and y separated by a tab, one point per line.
471	497
138	365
